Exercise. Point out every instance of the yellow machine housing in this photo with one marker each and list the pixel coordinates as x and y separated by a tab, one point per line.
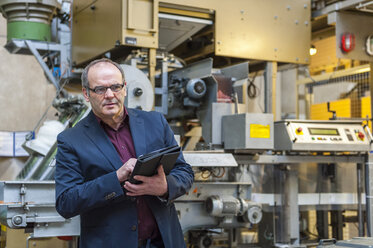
269	30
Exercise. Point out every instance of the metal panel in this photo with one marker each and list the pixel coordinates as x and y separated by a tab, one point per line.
145	22
140	93
360	242
302	135
361	26
140	23
264	30
173	29
200	69
238	71
297	159
100	26
210	159
310	199
237	133
96	28
214	130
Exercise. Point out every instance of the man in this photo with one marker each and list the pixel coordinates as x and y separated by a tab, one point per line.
95	159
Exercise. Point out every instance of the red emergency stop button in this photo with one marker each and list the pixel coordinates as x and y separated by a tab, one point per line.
361	136
299	131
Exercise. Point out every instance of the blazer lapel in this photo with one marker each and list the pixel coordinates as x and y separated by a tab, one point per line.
137	131
98	137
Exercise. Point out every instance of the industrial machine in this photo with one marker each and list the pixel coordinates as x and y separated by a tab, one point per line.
31	204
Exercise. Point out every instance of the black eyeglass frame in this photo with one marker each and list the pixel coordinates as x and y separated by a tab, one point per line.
106	88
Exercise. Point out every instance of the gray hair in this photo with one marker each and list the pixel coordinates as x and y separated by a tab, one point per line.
85	83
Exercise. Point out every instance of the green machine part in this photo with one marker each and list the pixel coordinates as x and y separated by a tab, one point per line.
29	30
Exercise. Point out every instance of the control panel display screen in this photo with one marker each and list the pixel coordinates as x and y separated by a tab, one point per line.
323	131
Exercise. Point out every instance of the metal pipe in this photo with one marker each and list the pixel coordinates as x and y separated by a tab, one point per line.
270	88
34	167
28	241
369	193
359	202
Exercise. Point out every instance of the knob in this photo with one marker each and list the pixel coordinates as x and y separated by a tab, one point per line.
137	91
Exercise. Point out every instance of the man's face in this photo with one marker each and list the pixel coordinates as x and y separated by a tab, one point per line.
110	103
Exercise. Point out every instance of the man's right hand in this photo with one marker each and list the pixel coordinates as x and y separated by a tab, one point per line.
125	170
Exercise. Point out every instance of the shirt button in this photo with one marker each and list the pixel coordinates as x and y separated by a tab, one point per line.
133	228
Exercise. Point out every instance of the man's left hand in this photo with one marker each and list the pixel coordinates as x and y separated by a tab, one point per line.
154	185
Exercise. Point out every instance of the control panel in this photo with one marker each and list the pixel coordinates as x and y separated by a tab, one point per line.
306	135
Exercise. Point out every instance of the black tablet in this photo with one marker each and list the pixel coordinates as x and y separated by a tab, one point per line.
147	164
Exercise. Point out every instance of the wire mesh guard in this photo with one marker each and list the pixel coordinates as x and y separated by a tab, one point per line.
344	97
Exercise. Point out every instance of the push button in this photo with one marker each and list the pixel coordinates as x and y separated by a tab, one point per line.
361	136
299	131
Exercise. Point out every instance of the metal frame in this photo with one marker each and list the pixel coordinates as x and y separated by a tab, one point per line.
341	5
15	46
290	195
163	90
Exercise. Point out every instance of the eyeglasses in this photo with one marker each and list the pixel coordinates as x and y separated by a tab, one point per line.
100	90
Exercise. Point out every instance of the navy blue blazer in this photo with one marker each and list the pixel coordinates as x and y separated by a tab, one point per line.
87	184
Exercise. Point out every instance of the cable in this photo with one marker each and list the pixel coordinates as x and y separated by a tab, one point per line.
203	174
220	174
252	89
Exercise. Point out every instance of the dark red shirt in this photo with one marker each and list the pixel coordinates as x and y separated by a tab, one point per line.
123	143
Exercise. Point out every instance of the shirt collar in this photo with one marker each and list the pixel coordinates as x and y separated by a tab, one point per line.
125	120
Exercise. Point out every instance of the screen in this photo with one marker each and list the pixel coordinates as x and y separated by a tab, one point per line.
323	131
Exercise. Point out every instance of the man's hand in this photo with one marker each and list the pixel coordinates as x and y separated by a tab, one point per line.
154	185
124	172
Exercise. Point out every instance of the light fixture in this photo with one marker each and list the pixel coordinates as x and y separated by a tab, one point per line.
347	42
313	50
369	45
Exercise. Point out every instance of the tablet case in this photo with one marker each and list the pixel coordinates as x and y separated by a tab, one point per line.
147	164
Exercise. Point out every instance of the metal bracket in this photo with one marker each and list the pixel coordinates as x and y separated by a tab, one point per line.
366	128
163	90
38	48
46	70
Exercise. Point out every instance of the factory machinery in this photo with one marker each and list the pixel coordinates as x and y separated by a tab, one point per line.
248	168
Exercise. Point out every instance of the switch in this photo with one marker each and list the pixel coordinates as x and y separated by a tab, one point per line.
361	136
299	131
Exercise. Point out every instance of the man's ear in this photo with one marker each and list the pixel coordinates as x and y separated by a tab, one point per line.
125	88
85	94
